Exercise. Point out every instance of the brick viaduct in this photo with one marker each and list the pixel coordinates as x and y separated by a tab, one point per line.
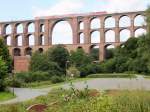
43	29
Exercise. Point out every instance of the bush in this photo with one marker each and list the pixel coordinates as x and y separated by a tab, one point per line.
73	72
28	77
13	82
111	76
57	79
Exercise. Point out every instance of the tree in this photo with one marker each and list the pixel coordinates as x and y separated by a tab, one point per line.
3	73
148	19
4	53
58	54
39	62
79	58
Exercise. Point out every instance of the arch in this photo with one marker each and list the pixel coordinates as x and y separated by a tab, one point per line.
94	52
95	37
95	23
40	50
124	21
31	27
81	24
19	28
139	20
124	35
109	51
28	51
19	40
17	52
109	22
110	36
31	40
140	32
42	28
81	38
8	29
60	36
8	40
42	40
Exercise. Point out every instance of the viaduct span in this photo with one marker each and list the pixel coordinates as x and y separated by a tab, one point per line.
42	29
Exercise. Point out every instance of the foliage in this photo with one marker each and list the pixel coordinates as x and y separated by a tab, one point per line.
73	72
40	62
58	54
79	58
57	79
4	53
3	73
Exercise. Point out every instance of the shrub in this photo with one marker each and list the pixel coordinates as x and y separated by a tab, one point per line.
13	82
57	79
73	72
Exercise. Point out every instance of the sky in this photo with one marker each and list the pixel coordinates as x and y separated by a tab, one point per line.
28	9
11	10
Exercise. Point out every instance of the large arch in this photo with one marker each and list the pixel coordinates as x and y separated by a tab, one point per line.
139	20
62	33
124	21
110	36
95	37
140	32
124	35
42	28
95	23
109	22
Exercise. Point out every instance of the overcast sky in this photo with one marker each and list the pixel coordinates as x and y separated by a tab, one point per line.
28	9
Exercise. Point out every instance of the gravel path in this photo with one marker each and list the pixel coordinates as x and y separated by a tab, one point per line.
24	94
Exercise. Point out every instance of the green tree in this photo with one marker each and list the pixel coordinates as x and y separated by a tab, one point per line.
3	73
58	54
4	53
39	62
79	58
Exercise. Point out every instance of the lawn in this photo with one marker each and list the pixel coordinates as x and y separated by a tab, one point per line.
6	96
46	84
60	100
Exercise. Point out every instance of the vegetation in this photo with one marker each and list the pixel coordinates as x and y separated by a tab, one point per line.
6	96
73	100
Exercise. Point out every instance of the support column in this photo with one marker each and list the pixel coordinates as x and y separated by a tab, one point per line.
46	32
117	33
75	30
50	32
13	34
25	34
102	30
101	52
132	26
37	32
87	30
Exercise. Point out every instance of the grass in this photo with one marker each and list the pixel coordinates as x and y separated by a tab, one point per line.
80	101
6	96
114	75
46	84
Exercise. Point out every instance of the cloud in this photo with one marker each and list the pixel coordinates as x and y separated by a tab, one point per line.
125	5
63	7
